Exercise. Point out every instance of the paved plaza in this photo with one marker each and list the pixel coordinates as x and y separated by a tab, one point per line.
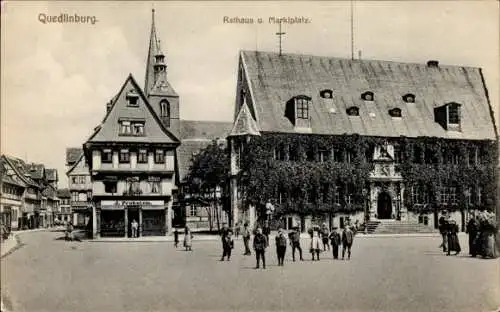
384	274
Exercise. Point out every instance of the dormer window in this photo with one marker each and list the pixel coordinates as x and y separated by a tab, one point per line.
409	98
448	116
367	96
326	94
297	111
302	104
353	111
132	98
395	112
454	114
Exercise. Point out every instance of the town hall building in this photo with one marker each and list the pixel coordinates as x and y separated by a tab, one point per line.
322	139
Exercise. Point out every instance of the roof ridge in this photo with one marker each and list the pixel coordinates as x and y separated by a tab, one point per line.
356	60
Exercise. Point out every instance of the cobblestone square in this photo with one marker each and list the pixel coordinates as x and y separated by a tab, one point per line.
384	274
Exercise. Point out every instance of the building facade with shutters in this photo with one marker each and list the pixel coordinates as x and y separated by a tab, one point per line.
131	154
328	139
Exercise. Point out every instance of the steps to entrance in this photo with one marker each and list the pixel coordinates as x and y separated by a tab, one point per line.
401	227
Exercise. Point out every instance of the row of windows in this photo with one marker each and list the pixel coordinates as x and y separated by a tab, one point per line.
366	96
132	187
302	104
79	179
81	196
134	128
124	156
419	156
11	190
447	195
341	195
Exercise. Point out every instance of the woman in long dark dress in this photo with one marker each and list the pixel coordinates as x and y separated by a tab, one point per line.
453	243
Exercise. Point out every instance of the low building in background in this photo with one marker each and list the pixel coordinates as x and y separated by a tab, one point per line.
29	194
64	214
80	186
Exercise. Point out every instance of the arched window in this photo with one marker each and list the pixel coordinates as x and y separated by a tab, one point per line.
165	112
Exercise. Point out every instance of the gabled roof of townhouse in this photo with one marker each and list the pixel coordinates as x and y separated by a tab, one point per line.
22	170
275	79
109	130
73	154
63	193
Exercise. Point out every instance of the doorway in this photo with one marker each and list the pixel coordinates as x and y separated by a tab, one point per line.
384	206
133	214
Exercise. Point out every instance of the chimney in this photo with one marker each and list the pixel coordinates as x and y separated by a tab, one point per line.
433	63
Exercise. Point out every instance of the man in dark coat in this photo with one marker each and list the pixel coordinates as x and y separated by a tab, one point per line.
443	230
294	237
281	246
224	232
336	242
472	230
347	239
260	245
227	246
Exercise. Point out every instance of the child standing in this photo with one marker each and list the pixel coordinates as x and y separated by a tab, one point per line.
188	239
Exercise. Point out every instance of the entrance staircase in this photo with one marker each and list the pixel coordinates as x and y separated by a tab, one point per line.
399	227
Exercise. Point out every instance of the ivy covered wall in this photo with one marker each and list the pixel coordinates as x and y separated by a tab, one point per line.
300	172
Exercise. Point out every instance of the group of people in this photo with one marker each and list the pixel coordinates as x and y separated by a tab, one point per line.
481	228
321	240
188	239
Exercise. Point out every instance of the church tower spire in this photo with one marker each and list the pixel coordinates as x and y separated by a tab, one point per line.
157	89
153	47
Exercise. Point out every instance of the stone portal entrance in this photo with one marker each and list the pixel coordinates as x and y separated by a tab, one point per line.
384	206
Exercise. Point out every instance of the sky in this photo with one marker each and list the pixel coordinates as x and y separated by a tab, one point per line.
56	78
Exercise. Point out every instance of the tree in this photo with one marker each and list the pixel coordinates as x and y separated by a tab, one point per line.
208	173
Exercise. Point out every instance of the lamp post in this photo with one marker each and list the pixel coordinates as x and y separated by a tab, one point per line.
367	216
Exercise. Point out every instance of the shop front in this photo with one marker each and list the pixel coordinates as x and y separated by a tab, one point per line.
117	218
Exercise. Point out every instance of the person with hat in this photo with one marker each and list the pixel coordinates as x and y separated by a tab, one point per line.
325	233
227	246
443	225
280	246
347	240
259	245
246	239
335	242
294	236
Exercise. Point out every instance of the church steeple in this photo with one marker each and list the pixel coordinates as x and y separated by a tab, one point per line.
157	89
152	51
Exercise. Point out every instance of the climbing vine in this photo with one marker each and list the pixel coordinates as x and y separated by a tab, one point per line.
301	182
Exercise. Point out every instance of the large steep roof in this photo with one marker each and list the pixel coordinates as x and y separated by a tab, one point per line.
275	79
154	130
